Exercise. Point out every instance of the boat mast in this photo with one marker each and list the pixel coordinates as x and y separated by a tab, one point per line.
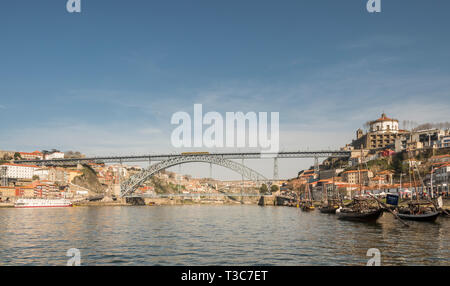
359	173
307	192
334	189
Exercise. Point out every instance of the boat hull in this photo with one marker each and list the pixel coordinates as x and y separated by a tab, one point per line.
328	210
356	216
420	217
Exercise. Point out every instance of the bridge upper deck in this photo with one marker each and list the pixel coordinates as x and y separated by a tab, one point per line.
163	157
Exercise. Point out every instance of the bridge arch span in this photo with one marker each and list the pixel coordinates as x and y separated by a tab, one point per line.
129	186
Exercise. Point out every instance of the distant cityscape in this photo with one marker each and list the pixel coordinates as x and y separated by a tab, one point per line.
380	159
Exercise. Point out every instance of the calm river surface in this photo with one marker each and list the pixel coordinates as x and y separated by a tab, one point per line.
213	235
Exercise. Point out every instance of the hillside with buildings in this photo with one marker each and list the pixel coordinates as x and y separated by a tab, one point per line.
381	158
384	158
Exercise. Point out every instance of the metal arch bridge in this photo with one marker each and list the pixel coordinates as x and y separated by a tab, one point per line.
168	160
128	187
162	157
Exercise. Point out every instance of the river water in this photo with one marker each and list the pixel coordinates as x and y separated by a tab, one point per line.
213	235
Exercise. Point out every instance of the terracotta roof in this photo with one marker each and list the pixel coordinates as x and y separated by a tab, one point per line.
35	153
377	178
384	118
385	172
20	165
355	171
440	156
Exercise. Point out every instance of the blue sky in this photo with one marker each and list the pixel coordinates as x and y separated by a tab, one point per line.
108	80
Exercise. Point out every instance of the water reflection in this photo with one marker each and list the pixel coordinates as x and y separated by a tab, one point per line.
213	235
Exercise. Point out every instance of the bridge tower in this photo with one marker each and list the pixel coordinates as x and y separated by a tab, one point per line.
3	177
275	168
210	171
316	165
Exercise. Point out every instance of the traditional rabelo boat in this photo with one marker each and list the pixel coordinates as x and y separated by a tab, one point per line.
329	204
418	210
328	209
361	208
307	204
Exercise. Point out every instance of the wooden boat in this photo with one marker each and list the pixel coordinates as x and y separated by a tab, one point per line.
418	211
307	204
307	207
430	216
360	209
328	209
359	215
329	205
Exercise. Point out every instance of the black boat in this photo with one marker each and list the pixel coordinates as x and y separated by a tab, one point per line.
359	215
431	216
419	211
361	208
307	204
328	209
329	204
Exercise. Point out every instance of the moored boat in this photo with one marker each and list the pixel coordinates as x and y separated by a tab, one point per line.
330	203
307	203
42	203
430	216
307	207
419	211
328	209
361	208
359	215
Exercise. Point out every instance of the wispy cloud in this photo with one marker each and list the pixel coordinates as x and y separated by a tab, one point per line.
319	111
378	41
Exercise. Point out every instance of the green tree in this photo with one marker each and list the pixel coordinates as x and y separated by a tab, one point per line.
17	156
263	189
274	188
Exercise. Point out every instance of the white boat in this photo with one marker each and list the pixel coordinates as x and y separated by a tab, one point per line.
42	203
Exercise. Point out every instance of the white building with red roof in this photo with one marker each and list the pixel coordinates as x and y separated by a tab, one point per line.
19	171
384	124
382	134
36	155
